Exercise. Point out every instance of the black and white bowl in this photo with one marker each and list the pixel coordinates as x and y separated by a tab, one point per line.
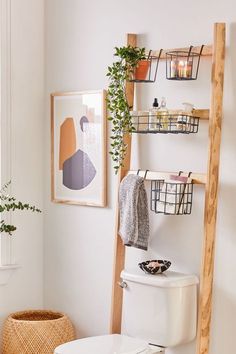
155	266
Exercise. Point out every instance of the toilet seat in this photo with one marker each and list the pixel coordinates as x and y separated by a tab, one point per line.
108	344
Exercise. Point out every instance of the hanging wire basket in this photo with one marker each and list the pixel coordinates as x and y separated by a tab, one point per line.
146	70
164	123
171	198
183	65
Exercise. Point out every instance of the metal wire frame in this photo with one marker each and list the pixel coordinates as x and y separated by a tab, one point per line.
171	198
191	60
165	123
152	70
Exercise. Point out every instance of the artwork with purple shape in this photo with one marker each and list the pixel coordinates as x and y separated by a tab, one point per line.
78	170
78	148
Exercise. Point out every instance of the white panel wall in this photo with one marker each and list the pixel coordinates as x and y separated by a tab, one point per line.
25	288
79	240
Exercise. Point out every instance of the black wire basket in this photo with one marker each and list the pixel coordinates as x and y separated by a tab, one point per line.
163	123
171	198
183	65
146	71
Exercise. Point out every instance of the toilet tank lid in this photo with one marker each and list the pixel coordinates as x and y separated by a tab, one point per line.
169	279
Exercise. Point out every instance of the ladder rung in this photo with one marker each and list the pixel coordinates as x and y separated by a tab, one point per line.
201	113
197	178
207	51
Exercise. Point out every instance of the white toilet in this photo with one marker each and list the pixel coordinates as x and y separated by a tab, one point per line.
159	311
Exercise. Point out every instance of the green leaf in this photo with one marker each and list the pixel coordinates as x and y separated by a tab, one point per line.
117	103
9	203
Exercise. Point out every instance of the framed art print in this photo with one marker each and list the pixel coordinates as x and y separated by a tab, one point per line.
78	148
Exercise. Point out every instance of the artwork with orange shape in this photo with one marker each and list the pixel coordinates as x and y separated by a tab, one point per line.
78	146
78	169
67	141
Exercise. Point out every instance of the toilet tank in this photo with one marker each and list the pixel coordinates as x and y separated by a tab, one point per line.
161	309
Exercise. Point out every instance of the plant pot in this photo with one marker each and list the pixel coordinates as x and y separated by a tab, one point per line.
36	331
142	69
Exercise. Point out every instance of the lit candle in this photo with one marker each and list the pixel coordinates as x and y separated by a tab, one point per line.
189	67
185	69
182	68
174	68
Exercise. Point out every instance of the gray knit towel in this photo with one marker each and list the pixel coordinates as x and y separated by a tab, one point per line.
134	217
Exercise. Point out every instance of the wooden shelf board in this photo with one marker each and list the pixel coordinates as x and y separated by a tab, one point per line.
203	114
198	178
207	51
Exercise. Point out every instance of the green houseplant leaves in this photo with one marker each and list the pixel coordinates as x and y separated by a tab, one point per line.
9	203
119	110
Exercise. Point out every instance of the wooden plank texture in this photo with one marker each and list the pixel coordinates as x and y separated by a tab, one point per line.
206	279
119	256
207	51
197	178
202	113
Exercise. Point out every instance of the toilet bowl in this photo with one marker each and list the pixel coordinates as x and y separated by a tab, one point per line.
108	344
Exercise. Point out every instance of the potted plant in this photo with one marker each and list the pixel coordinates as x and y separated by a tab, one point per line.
119	72
142	69
9	203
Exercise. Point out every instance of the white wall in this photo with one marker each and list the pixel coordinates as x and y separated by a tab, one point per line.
25	288
79	240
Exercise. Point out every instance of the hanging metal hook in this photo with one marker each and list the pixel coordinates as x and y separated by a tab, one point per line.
199	56
149	54
202	46
190	49
180	172
138	172
145	175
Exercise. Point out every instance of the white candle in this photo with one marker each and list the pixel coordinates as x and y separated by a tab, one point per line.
185	69
174	68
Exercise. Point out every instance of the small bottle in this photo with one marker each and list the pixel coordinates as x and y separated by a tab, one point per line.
163	114
153	121
183	119
188	107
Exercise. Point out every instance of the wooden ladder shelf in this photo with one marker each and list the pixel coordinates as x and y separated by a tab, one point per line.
210	180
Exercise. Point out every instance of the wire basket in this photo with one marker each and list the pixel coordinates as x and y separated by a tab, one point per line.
171	198
163	123
146	70
183	65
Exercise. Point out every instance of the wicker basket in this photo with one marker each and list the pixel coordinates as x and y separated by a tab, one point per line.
36	332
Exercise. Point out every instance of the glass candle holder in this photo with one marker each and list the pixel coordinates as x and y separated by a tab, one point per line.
182	65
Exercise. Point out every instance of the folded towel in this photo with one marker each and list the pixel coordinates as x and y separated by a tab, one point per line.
134	218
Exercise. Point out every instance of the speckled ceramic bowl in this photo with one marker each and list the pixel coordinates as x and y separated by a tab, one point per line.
155	266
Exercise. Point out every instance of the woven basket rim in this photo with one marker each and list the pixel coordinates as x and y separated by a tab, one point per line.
61	315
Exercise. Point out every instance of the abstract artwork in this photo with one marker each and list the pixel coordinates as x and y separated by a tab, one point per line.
78	133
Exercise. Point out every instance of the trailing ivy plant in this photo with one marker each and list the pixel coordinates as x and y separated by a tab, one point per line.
117	103
9	203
